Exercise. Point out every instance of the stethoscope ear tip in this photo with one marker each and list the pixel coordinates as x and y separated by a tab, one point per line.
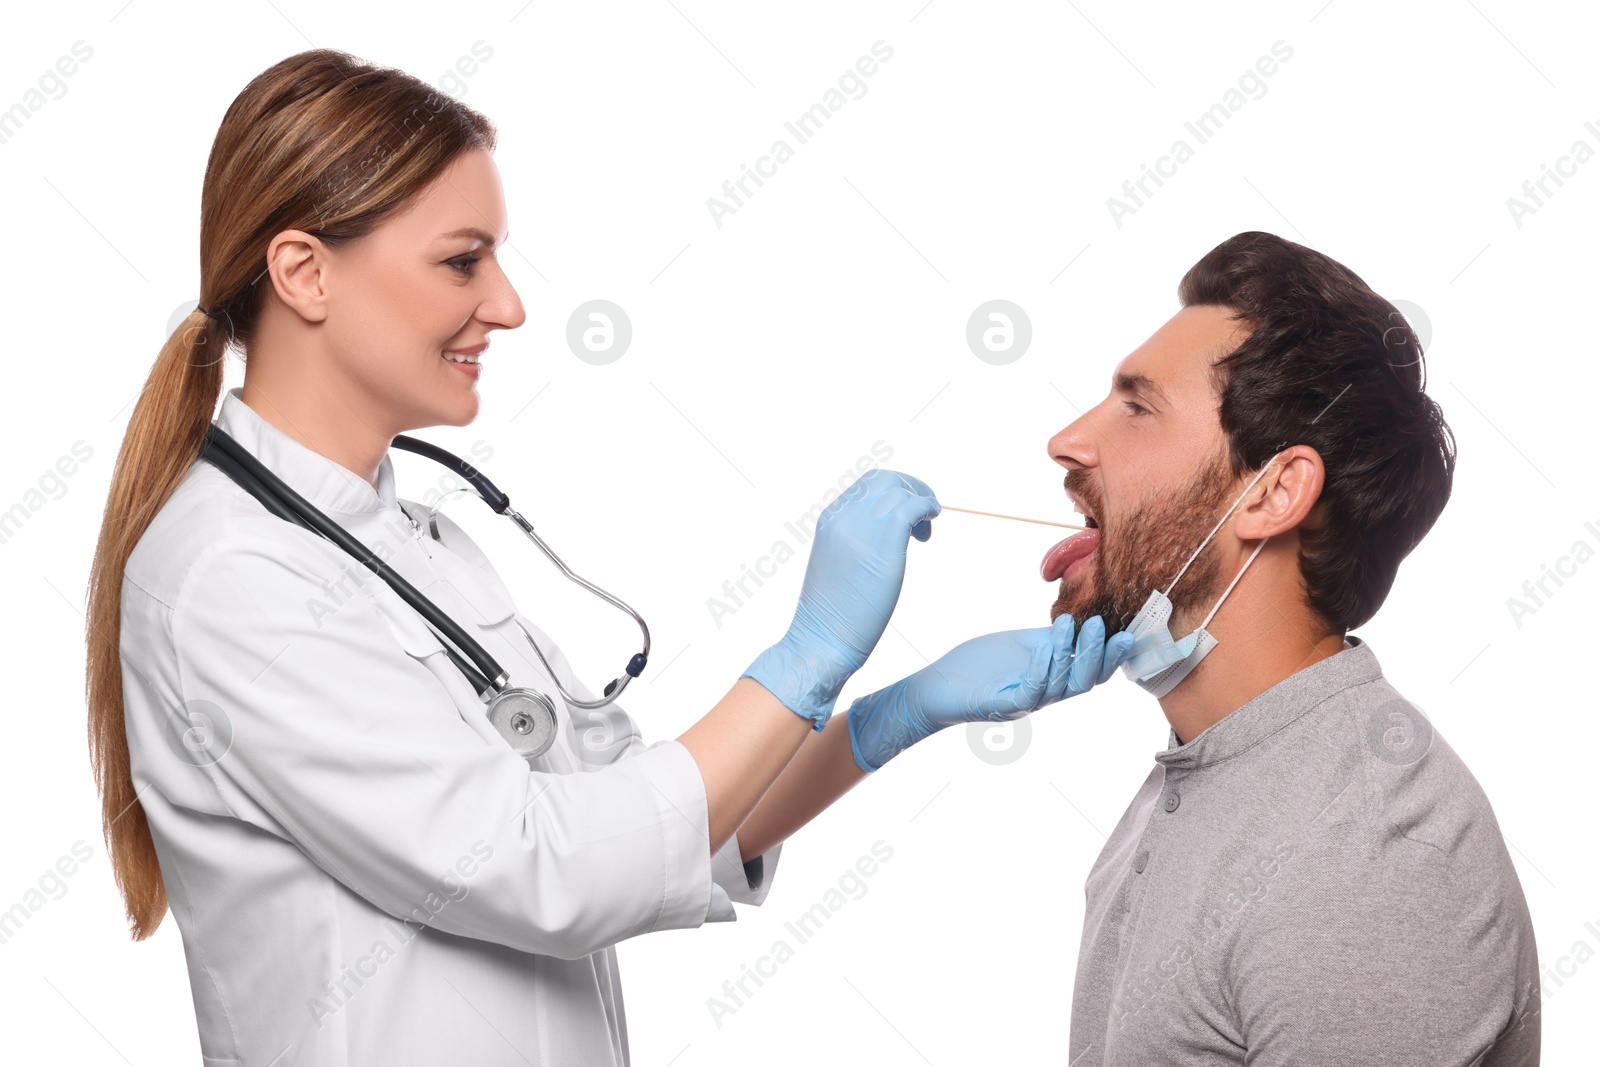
634	669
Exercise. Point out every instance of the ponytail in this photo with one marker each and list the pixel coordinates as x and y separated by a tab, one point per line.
163	439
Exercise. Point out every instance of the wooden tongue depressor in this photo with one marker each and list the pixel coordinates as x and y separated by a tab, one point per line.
1018	518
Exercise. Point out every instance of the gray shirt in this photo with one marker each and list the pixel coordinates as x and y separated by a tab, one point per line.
1316	878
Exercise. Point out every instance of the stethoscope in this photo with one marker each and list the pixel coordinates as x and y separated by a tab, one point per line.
524	717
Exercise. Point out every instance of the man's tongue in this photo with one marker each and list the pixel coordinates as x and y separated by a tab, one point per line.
1065	553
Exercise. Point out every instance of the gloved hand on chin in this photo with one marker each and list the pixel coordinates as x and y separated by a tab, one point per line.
991	678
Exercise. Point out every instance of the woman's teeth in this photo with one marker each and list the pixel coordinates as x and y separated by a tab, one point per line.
457	357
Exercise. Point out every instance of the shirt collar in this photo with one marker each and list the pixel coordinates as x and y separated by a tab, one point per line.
327	485
1274	709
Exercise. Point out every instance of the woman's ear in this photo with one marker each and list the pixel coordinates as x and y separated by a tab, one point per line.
1284	496
296	261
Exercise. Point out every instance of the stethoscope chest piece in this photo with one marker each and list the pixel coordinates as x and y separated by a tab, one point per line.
526	719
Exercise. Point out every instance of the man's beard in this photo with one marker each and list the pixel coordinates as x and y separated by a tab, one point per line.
1143	549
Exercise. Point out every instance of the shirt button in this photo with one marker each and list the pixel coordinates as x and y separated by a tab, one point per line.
1141	858
1172	802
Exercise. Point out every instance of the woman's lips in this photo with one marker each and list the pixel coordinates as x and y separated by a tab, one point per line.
1065	553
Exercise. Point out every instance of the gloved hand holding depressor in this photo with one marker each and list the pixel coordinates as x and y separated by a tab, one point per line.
852	582
991	678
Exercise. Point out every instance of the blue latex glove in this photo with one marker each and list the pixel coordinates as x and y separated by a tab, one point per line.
987	679
853	578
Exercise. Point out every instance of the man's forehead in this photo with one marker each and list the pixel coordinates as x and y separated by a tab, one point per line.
1177	358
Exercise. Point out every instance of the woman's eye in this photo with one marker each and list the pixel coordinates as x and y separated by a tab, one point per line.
464	263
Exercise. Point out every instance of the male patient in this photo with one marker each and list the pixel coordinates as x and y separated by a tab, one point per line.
1310	874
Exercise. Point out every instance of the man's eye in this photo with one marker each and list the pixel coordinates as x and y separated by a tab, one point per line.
1135	408
464	263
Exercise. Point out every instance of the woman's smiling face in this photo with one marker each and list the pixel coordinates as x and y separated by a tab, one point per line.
425	282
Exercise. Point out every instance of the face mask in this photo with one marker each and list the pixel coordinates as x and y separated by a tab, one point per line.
1157	662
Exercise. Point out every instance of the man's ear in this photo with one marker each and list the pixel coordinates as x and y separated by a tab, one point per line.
296	262
1283	497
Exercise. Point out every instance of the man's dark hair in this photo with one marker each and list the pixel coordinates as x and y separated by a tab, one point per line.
1332	365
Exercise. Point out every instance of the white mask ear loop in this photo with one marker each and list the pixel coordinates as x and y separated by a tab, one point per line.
1167	591
1236	577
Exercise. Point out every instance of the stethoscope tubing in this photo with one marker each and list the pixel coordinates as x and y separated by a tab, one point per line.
490	494
281	500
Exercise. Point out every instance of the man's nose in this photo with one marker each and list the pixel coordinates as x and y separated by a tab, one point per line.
1073	447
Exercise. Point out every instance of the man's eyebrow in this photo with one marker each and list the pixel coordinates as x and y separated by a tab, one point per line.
1141	384
472	231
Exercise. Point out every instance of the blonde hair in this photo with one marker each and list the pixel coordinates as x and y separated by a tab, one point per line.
322	142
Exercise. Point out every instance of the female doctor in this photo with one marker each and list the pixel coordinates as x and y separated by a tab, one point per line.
362	870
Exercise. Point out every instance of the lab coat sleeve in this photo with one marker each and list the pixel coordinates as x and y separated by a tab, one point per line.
348	746
609	734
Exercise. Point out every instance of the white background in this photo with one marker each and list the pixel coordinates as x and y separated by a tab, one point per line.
827	314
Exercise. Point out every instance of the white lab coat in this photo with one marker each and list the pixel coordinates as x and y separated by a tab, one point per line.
362	869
